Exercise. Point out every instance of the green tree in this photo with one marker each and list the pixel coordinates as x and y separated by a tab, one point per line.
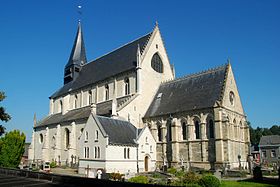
11	148
3	115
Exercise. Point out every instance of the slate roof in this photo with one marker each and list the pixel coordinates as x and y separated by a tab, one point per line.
270	140
119	132
103	109
120	60
78	53
195	91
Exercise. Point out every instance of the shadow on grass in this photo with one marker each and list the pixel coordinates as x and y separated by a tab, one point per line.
266	180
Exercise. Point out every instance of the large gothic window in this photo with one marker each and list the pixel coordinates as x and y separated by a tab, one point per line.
61	105
184	130
169	132
126	86
211	129
76	101
159	132
157	63
89	97
67	138
197	130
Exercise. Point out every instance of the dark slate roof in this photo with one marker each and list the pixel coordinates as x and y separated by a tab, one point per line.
103	109
195	91
78	53
270	140
120	60
120	132
80	113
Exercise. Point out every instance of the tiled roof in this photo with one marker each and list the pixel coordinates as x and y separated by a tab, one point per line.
120	132
120	60
192	92
270	140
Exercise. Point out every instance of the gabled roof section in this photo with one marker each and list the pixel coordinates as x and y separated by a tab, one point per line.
78	53
120	132
192	92
120	60
270	140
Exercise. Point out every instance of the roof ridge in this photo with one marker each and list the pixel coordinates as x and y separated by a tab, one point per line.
195	74
118	48
113	119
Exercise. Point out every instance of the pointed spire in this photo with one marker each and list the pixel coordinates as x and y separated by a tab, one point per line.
78	53
34	120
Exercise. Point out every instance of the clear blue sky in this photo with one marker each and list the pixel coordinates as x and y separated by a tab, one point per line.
36	38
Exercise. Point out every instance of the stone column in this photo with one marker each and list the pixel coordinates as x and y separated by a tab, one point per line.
58	142
218	131
203	143
46	146
190	137
175	145
73	143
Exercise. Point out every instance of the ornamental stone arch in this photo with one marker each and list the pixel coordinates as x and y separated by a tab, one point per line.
197	126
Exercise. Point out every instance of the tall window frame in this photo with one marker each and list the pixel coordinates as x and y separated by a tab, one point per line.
126	86
184	130
107	92
89	97
197	129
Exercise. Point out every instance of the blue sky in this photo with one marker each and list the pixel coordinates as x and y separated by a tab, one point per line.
37	37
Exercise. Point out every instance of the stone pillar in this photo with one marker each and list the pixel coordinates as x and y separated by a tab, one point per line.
73	142
203	143
58	143
31	149
190	137
138	71
51	107
218	131
46	146
175	145
66	104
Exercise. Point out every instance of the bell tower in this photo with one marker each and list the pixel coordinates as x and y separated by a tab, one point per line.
77	57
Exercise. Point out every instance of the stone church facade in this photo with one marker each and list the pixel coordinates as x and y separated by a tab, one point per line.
196	121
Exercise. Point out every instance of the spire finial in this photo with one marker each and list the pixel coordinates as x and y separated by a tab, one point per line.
228	60
34	120
80	12
156	23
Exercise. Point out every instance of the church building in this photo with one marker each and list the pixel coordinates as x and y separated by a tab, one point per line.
126	112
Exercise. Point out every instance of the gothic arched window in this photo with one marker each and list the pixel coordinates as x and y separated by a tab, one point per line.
61	105
184	130
157	63
159	132
76	101
67	138
211	129
128	153
106	92
89	97
169	130
126	86
197	130
124	153
41	138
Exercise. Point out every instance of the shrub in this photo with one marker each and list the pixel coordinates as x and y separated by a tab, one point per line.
52	165
191	178
139	179
116	176
209	181
172	170
257	173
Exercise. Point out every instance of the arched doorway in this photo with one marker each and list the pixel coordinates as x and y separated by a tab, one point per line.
146	162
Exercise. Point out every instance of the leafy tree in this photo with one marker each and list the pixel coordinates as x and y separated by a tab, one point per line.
256	134
3	115
11	148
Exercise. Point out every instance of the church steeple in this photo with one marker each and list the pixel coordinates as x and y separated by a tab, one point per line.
77	57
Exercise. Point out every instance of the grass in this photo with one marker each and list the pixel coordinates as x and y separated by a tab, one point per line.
244	184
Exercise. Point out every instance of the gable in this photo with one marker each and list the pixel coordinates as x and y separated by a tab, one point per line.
230	97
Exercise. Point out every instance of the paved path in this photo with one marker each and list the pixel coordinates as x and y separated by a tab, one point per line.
11	181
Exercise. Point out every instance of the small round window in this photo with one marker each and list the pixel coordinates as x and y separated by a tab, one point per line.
157	63
41	138
231	98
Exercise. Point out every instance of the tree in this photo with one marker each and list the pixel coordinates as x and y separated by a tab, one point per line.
3	115
11	148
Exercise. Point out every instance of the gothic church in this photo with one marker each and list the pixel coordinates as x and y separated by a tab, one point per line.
126	112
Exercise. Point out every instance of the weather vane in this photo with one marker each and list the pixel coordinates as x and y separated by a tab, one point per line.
80	12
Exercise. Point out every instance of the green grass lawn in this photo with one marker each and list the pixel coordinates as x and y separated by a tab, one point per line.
244	184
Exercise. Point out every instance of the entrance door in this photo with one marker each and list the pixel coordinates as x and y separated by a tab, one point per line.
146	163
